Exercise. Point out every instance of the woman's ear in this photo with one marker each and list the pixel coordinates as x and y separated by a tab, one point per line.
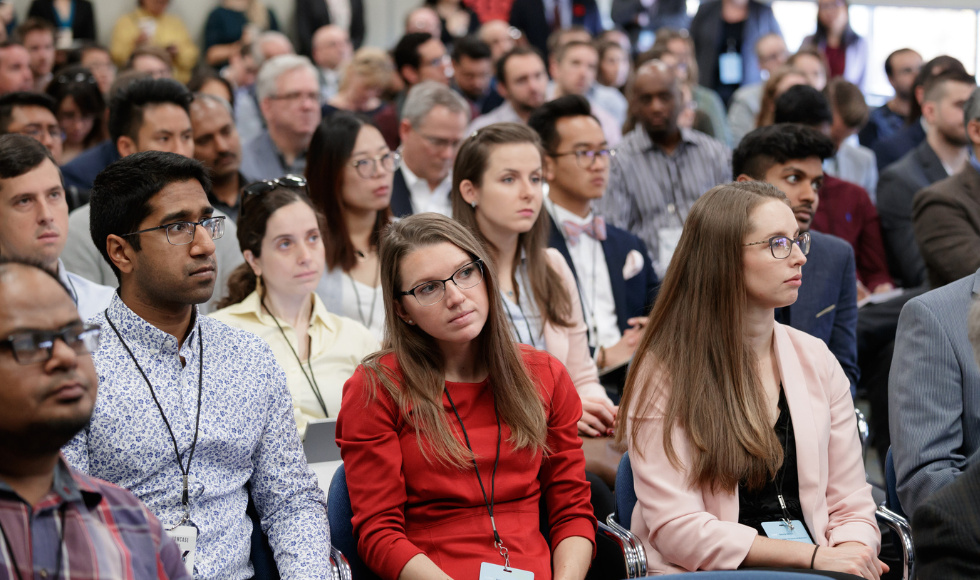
253	262
469	192
401	312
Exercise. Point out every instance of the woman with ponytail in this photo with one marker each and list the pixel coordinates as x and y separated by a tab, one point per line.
272	295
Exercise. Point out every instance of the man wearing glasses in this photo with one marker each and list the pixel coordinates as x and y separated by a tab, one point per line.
432	128
193	416
59	522
615	277
34	115
790	158
289	97
34	218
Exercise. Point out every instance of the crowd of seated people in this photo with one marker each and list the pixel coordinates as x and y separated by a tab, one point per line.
507	247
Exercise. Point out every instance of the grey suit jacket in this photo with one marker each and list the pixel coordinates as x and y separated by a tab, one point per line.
934	392
81	257
897	187
946	216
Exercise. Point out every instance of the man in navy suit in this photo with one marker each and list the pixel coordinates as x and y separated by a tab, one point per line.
616	281
827	304
539	18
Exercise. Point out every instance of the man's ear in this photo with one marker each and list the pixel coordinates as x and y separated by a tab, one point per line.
120	253
549	168
403	128
929	112
410	74
973	131
126	146
742	178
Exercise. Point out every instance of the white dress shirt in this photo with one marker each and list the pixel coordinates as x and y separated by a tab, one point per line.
90	298
426	199
594	285
340	13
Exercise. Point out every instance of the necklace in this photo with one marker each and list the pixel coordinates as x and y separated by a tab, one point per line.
374	298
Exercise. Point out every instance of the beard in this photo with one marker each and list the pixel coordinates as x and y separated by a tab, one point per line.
163	288
38	439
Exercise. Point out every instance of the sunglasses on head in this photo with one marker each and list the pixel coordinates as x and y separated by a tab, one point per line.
265	186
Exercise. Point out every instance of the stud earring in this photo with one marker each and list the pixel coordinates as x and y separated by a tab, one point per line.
473	204
410	321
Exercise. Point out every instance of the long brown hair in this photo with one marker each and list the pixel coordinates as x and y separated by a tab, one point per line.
547	285
330	151
256	211
707	376
767	108
418	393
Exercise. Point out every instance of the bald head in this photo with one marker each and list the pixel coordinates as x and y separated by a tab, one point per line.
496	33
216	141
655	99
331	47
423	19
772	52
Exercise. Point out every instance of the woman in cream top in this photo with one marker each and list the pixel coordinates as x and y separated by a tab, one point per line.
272	295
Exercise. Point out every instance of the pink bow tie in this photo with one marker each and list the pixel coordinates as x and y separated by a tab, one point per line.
595	230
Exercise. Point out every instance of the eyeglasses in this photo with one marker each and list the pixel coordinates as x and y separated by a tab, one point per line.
368	168
182	233
441	143
586	159
34	346
443	60
79	77
37	132
781	246
265	186
297	96
433	291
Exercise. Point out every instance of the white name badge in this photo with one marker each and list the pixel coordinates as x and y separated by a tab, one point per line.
490	571
781	531
730	68
667	239
186	538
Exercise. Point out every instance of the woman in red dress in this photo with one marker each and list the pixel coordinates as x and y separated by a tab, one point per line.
452	434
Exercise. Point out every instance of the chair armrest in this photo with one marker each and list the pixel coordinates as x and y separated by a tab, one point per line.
339	566
903	532
633	552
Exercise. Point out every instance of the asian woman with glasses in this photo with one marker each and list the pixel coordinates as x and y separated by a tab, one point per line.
453	435
272	295
741	430
350	172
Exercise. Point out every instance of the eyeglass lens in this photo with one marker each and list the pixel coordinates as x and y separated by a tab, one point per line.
182	233
368	168
433	292
34	347
782	246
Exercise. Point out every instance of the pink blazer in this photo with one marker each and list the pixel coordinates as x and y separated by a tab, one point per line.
684	528
570	345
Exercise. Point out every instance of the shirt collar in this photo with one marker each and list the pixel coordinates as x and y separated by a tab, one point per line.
252	304
140	334
66	282
646	144
410	178
66	485
973	160
560	214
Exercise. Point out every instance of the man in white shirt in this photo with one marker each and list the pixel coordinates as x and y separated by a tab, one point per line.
34	218
432	127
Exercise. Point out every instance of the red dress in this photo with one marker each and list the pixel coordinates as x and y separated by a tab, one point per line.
406	505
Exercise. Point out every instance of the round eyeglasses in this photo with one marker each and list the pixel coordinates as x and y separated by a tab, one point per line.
368	168
433	291
182	233
587	159
782	246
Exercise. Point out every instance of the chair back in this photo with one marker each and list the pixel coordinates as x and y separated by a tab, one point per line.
752	575
262	558
891	485
625	494
340	514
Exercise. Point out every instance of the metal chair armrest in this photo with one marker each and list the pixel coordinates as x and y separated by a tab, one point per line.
637	556
900	527
339	565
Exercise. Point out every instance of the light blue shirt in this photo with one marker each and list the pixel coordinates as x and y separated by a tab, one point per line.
247	436
525	320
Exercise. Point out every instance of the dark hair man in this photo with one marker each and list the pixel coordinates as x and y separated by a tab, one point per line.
901	67
37	36
790	157
611	266
34	218
34	115
218	147
154	226
846	210
473	71
15	68
523	83
58	521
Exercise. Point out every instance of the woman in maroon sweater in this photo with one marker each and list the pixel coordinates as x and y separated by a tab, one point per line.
453	422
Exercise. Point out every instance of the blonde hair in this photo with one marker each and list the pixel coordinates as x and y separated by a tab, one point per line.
371	64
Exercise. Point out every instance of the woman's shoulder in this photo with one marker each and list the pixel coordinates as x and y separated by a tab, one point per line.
558	262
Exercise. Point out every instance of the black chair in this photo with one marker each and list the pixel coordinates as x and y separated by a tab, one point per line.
611	561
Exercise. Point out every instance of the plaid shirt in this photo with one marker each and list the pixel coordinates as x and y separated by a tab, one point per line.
108	534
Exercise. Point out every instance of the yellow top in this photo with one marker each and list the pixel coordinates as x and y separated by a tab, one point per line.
337	346
169	30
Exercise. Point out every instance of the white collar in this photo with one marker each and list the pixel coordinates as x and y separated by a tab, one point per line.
561	214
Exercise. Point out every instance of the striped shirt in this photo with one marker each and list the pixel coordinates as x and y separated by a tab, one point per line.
108	534
650	189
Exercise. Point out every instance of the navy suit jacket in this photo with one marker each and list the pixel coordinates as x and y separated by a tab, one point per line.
401	198
888	151
529	17
826	306
80	172
633	297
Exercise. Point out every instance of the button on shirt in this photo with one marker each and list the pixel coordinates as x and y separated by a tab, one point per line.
426	199
247	436
337	345
107	533
594	284
650	189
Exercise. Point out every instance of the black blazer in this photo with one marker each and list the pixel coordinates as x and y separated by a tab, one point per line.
633	297
888	151
401	198
82	28
946	531
529	17
312	14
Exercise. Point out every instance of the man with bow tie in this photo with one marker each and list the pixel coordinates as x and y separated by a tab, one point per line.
616	280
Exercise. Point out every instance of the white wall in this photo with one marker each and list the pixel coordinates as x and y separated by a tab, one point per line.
383	17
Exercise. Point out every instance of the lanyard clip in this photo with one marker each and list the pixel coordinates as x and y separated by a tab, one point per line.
499	544
786	518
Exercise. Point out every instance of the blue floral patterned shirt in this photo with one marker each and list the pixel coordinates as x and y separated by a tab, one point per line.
247	436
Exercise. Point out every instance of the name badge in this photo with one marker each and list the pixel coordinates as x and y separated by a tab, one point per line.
186	538
490	571
781	531
63	38
730	68
667	239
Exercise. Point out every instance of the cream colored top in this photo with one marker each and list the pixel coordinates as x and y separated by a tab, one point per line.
337	346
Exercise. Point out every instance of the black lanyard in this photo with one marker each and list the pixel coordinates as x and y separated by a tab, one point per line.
61	547
779	486
185	471
493	476
310	378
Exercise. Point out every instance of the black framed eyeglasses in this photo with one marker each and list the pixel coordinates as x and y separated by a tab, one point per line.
587	159
433	291
34	346
782	246
368	168
267	185
182	233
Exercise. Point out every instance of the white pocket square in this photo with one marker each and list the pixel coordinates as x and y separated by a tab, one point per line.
633	265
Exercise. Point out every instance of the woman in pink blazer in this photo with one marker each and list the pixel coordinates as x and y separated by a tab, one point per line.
497	193
741	431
